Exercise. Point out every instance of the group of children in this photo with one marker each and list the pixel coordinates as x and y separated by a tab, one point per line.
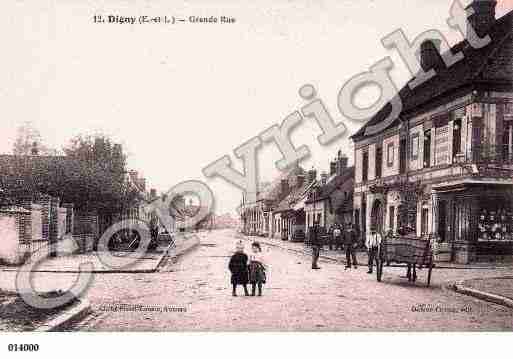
246	269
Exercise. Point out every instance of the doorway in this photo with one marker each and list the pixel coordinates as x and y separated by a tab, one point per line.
377	216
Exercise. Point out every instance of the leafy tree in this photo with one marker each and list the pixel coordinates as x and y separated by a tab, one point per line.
100	180
92	176
28	137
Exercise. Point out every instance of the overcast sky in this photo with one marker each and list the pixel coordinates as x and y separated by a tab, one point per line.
181	96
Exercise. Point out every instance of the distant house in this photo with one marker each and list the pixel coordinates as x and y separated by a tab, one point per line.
331	200
256	215
288	217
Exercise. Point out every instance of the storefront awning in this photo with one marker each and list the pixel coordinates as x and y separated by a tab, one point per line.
468	184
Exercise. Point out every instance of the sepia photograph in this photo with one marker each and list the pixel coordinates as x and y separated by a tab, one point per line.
327	170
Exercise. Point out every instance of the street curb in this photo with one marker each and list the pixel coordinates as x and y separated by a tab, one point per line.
164	256
71	315
488	297
175	256
187	250
114	271
107	271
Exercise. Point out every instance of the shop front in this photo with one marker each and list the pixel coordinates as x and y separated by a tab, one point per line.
474	220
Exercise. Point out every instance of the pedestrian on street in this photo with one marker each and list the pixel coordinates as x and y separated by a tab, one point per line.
350	242
372	243
257	269
239	269
337	233
316	244
330	238
154	232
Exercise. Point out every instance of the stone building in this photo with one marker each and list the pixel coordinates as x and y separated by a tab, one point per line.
256	216
289	217
330	201
444	168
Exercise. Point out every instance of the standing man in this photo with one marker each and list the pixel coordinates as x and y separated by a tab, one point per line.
372	242
336	237
316	245
350	242
330	237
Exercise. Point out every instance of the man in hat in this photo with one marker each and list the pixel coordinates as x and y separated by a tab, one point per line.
316	244
350	241
372	243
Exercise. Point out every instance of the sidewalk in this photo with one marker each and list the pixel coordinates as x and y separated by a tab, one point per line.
497	290
72	263
19	316
120	262
361	256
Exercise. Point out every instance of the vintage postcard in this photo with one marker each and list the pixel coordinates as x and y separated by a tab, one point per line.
270	166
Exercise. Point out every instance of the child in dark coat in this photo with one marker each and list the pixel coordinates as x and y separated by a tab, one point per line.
239	268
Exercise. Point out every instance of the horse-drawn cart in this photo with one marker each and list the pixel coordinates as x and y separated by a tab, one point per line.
411	251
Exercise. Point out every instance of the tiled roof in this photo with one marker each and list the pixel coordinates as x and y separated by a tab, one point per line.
293	197
335	183
272	192
490	64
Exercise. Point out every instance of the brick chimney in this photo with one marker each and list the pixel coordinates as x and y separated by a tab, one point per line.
312	175
324	178
134	175
333	167
430	54
342	161
284	187
300	180
141	183
483	17
35	150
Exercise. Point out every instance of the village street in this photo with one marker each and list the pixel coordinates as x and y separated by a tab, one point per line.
196	292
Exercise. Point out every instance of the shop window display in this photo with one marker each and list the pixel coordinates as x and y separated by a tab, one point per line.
495	225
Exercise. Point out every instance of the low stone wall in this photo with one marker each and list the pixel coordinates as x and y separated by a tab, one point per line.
14	231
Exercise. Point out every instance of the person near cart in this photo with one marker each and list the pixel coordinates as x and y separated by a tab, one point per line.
372	243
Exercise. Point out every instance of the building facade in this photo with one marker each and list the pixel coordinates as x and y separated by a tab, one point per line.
331	201
444	168
257	215
289	217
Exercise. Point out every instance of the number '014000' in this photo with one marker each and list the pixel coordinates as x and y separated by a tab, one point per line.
23	347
